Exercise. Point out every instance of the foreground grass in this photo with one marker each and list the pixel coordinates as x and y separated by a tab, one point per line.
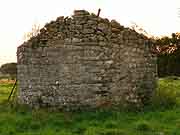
23	121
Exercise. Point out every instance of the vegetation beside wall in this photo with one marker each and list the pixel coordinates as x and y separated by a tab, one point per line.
8	70
157	120
168	51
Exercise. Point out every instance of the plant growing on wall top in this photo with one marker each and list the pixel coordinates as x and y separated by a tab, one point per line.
33	33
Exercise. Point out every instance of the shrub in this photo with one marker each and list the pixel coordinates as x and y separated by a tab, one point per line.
165	95
9	69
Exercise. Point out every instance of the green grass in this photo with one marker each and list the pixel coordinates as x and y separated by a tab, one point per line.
5	89
155	121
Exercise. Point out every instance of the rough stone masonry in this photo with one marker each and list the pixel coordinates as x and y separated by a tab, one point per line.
86	61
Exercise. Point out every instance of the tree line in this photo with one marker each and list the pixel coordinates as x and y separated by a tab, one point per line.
168	55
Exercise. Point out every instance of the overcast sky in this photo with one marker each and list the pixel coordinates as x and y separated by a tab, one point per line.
158	17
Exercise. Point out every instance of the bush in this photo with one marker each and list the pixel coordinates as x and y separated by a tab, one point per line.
165	95
9	69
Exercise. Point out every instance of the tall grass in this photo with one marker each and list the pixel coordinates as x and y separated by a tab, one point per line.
21	120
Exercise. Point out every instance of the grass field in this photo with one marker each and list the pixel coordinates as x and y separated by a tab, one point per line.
162	119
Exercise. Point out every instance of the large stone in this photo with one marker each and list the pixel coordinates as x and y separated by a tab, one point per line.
103	27
80	12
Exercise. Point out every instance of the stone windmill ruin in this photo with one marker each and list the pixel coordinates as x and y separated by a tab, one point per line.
86	61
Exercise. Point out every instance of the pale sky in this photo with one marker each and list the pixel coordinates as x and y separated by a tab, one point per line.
157	17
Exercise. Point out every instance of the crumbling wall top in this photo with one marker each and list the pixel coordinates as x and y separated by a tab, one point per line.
83	27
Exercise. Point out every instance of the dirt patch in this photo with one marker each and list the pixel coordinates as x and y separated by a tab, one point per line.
6	81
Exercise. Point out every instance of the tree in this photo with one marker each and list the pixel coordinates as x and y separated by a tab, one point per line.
168	55
9	68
